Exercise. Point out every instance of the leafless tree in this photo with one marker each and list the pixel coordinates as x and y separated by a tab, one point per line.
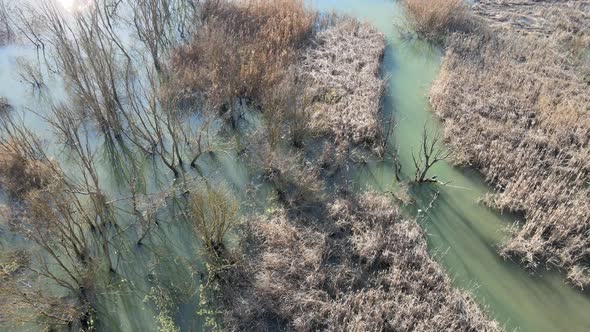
431	152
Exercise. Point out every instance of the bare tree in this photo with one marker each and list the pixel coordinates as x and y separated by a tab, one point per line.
431	152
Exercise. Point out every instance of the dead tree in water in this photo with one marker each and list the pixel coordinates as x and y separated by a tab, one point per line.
431	152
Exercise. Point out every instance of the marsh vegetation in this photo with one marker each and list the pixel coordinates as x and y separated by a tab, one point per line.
513	97
193	165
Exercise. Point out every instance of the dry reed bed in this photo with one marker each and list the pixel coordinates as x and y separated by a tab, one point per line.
434	19
540	18
517	106
341	71
20	175
358	267
241	49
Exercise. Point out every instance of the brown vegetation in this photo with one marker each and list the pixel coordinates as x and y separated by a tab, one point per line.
357	267
341	71
517	107
434	19
19	174
241	50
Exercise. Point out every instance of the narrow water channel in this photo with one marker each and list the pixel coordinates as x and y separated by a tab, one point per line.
462	234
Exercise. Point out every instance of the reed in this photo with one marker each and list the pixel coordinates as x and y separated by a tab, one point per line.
515	105
435	19
358	267
242	50
213	213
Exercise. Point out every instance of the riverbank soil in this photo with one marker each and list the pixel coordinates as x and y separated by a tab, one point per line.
514	97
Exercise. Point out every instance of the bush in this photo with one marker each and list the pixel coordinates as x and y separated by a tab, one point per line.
19	173
242	49
342	68
212	213
434	19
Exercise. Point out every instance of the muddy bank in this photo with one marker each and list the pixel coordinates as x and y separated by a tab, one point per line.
514	99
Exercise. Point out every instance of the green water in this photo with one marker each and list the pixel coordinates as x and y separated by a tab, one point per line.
462	234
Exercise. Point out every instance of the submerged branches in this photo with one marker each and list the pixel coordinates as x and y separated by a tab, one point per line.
65	223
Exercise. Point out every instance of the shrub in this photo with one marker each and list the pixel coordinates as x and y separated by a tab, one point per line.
242	50
19	172
213	213
434	19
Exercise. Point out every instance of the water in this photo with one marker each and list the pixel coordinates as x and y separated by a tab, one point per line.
462	234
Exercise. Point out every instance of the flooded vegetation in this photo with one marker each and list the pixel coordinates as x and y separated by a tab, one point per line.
258	165
515	106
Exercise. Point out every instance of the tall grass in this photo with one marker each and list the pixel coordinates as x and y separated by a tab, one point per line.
515	105
213	213
434	19
242	50
356	267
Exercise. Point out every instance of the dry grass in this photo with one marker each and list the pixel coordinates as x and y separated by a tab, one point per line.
358	267
19	174
296	181
518	108
213	213
435	19
342	70
242	50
